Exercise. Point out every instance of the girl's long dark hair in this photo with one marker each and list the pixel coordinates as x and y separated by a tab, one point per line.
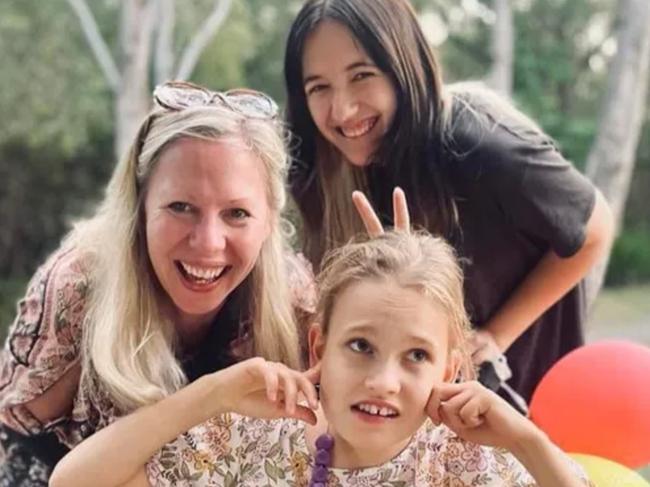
411	153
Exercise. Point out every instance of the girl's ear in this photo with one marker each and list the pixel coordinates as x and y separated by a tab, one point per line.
316	341
453	366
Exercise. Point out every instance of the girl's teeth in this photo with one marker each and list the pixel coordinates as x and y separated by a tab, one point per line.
372	409
359	130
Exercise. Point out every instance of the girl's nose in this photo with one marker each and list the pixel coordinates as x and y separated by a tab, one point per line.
344	106
384	379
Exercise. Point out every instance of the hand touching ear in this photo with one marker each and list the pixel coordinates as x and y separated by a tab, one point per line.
401	217
263	389
478	415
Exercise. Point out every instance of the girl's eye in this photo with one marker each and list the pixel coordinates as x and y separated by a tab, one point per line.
180	207
418	355
362	75
313	89
360	345
238	214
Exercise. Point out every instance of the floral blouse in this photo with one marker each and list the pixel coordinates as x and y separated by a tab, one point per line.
231	450
44	343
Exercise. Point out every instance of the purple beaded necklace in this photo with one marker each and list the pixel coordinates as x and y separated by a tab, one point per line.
322	460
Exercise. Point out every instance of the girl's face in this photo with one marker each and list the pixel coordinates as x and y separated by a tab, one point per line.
351	101
207	216
386	348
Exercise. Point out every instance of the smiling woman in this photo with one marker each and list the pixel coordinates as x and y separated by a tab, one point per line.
182	271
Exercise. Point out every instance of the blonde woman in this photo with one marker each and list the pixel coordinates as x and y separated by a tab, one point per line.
182	271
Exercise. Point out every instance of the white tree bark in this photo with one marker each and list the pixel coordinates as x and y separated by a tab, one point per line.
206	32
132	100
610	163
502	47
164	63
130	81
96	42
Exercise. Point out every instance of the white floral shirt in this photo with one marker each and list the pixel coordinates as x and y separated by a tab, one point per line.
231	450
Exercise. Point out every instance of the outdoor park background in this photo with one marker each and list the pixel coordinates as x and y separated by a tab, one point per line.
74	75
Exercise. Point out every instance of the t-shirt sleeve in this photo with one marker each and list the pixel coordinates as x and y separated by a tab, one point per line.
535	187
44	340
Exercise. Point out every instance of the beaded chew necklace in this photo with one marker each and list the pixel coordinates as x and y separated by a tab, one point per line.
322	460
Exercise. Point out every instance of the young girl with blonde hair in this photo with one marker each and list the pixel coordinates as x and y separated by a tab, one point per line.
392	338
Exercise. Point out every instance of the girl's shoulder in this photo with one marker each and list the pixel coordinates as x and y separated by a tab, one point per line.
484	131
448	459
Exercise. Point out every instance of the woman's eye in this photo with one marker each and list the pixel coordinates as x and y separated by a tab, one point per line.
180	207
360	345
418	355
238	214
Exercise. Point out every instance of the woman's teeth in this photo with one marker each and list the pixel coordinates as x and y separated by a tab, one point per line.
203	274
360	129
377	411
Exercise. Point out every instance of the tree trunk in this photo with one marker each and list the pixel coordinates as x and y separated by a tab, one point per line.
611	160
132	97
500	78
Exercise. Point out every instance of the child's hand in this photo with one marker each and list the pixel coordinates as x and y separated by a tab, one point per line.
478	415
262	389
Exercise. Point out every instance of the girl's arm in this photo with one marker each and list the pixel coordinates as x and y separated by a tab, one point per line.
118	454
479	416
550	280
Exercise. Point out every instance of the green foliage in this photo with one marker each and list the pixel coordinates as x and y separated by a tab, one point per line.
630	259
10	291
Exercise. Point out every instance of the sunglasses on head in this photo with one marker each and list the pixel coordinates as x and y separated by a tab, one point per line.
179	95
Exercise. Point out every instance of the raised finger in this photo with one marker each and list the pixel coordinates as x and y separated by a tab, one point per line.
367	214
308	390
290	391
433	406
401	215
270	376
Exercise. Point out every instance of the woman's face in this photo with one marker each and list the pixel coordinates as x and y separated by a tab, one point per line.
351	101
207	216
386	348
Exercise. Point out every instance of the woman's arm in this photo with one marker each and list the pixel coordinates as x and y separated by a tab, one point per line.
550	280
117	454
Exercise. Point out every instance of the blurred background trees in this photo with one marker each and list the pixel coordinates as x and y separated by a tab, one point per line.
61	106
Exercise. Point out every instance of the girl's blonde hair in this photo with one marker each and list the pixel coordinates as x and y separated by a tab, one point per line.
129	344
418	261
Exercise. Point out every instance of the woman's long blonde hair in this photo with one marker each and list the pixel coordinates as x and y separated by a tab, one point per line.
417	261
129	344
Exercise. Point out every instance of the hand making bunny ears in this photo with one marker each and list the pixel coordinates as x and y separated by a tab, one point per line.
401	218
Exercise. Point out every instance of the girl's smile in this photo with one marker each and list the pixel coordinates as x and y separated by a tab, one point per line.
351	101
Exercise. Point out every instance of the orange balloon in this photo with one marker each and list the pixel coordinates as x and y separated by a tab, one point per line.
596	400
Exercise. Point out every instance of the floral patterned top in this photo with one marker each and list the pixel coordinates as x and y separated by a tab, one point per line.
232	450
44	343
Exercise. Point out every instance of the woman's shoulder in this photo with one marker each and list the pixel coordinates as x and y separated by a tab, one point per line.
301	280
43	343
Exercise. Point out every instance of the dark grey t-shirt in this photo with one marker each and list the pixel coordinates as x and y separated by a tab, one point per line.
517	197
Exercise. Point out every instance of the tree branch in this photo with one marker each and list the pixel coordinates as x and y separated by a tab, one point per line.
209	28
96	42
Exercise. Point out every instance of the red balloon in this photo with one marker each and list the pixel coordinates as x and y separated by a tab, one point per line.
596	400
